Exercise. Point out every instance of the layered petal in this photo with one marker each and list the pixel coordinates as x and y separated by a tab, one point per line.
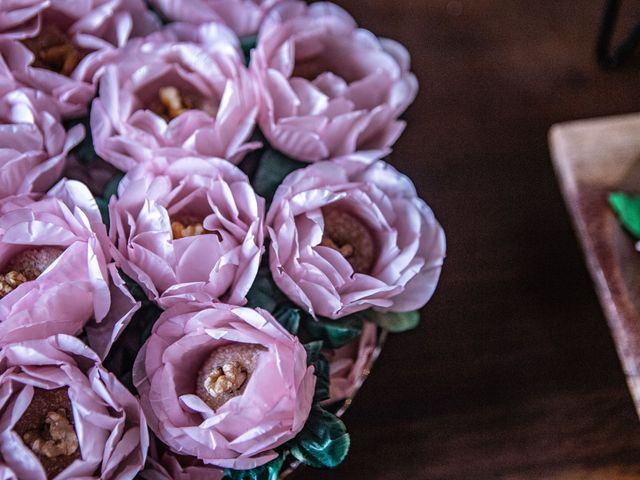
244	17
188	231
33	143
268	407
58	47
106	434
348	364
329	88
167	92
347	235
54	252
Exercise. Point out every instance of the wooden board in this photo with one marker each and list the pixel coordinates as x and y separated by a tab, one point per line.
592	158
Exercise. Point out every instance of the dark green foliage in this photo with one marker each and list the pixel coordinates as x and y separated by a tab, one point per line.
324	441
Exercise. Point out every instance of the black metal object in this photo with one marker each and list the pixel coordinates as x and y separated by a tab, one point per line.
608	56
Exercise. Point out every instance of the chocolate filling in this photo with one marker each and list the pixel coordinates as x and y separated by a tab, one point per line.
350	236
47	428
54	51
26	266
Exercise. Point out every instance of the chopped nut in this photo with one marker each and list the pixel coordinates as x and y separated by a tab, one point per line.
181	230
225	373
63	439
47	428
171	103
226	379
348	235
27	266
54	51
10	281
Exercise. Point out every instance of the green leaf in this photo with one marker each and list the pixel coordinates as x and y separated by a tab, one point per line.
103	206
395	322
334	333
264	293
627	207
148	316
111	188
268	471
273	168
324	441
289	318
84	151
134	288
321	370
247	44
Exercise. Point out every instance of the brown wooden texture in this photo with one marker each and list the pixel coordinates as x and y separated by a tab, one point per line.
512	374
593	158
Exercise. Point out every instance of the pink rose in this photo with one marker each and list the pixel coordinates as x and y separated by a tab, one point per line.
189	234
64	416
223	384
346	237
33	142
329	88
170	94
53	258
163	465
56	46
242	16
348	364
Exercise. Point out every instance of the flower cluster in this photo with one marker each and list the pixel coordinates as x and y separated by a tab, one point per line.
202	245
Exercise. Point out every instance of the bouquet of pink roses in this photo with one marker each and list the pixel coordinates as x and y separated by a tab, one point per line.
200	242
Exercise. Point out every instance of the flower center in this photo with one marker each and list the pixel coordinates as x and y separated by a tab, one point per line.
187	227
349	236
47	428
27	266
171	102
225	373
54	51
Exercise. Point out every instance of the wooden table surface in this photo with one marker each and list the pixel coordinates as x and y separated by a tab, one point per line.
513	373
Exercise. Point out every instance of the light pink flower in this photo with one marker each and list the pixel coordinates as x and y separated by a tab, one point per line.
33	142
164	465
215	251
167	93
242	16
107	421
60	245
347	364
101	335
270	409
329	88
86	29
346	237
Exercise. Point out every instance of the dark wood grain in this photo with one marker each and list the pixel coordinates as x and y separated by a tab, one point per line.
513	373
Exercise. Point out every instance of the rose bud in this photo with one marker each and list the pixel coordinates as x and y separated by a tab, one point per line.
242	16
53	263
168	93
188	235
223	384
348	365
64	416
346	237
33	143
56	46
329	88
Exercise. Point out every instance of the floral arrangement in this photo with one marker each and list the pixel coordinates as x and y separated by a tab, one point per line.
201	242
